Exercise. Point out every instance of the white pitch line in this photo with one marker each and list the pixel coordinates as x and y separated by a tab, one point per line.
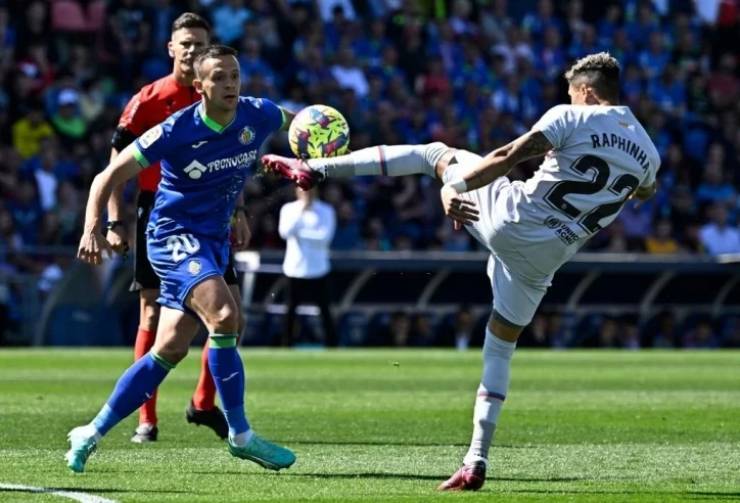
81	497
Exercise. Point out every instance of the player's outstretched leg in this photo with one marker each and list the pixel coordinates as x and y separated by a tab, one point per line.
387	160
497	354
146	430
202	410
135	386
228	373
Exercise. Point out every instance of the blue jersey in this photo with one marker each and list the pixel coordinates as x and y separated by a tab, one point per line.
204	165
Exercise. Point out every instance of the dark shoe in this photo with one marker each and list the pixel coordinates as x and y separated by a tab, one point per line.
145	433
212	418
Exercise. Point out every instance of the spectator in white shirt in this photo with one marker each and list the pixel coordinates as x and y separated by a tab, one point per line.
717	236
307	225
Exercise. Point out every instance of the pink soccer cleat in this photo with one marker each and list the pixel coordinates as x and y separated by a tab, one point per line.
295	170
467	478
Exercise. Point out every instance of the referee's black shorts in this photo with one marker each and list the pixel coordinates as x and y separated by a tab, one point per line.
144	275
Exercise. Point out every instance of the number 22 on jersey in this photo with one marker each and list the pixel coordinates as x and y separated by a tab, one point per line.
589	218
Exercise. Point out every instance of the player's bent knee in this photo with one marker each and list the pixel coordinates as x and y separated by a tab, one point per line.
172	350
225	319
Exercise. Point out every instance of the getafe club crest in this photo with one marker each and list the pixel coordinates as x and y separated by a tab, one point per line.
194	267
246	135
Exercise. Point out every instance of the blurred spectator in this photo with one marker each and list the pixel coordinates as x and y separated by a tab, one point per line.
30	130
702	336
719	236
661	241
229	19
68	122
666	335
308	225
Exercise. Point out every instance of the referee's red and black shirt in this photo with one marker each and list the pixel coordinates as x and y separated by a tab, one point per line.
150	106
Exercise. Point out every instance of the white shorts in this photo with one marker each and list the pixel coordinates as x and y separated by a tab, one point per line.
518	286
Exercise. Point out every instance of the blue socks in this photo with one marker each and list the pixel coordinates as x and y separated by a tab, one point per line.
133	388
228	374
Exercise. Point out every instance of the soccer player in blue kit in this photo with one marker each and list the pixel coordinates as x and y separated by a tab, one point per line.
206	151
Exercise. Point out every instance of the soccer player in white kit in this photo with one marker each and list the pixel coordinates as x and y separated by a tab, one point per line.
597	156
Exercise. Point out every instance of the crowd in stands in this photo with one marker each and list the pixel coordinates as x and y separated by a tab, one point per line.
471	73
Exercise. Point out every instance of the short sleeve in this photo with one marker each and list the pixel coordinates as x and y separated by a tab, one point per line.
153	145
133	117
556	124
272	112
651	174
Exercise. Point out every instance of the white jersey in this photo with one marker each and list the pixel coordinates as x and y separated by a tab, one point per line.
600	155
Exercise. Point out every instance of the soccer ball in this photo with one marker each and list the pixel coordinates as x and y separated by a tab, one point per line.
318	131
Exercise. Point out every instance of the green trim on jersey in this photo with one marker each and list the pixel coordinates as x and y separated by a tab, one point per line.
212	124
139	156
222	341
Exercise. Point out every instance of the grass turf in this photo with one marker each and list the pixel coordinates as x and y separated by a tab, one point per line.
390	425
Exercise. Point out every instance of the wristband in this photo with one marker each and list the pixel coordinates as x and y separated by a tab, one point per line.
459	185
112	224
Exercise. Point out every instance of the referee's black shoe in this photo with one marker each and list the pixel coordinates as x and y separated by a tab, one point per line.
212	418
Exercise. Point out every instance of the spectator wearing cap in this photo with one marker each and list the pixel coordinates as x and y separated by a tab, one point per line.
67	120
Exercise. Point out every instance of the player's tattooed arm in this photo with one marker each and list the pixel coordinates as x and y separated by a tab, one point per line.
499	162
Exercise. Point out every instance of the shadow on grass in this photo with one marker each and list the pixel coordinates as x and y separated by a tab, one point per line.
693	495
713	495
376	443
391	476
93	490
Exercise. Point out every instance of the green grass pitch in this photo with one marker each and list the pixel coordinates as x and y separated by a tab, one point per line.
387	425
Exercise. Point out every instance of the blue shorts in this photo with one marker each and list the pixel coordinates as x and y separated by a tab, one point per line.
183	260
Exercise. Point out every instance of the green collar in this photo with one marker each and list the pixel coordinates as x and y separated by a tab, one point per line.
212	124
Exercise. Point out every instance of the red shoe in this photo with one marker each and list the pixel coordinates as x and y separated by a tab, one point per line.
295	170
467	478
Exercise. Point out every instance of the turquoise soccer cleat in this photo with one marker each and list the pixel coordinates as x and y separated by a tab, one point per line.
81	446
264	453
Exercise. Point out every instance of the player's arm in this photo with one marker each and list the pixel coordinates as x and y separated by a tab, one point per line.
494	165
645	193
240	231
117	232
122	168
499	162
125	134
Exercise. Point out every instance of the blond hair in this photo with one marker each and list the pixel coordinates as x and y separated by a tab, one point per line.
600	71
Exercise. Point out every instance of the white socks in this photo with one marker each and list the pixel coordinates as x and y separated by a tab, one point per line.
492	391
241	439
390	160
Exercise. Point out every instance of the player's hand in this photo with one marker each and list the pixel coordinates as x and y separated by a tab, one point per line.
461	211
241	234
92	246
642	194
118	239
